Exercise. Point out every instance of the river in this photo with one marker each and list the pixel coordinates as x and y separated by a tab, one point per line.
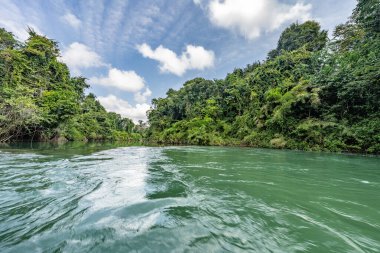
104	198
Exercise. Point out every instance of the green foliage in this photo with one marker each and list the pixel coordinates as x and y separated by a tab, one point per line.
307	35
309	95
7	40
367	15
40	101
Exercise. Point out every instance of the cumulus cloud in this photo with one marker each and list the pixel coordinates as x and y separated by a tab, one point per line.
250	18
127	81
142	97
78	56
194	57
122	107
123	80
71	20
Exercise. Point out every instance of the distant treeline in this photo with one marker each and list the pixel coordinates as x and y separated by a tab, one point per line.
40	101
311	93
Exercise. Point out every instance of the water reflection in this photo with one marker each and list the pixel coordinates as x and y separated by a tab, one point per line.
67	149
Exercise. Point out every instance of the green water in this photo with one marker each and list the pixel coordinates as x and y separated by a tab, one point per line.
100	198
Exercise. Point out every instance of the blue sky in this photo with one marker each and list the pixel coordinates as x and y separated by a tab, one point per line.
133	51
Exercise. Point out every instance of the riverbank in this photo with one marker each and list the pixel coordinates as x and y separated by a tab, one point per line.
105	144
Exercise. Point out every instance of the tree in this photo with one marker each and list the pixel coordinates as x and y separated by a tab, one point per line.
367	15
310	94
308	35
39	100
7	40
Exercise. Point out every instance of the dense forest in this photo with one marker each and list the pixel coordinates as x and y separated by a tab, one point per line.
311	93
40	101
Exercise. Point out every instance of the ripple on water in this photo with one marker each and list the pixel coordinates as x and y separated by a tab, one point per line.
188	199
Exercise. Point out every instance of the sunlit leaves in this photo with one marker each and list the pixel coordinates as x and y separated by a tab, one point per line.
40	101
308	95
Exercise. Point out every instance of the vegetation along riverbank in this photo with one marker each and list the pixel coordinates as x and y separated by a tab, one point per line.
311	93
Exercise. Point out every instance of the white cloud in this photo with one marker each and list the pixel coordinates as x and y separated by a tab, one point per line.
142	97
19	30
197	2
123	80
72	20
78	56
14	19
251	17
122	107
194	57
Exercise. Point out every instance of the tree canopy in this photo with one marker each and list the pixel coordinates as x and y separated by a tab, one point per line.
310	94
308	35
39	100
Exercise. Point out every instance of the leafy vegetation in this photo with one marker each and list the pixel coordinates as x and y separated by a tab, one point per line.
310	94
39	100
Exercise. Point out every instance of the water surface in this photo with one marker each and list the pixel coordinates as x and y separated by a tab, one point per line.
100	198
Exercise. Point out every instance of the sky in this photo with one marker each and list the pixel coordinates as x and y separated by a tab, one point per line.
132	51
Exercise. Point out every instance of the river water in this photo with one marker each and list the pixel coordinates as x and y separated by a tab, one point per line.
102	198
